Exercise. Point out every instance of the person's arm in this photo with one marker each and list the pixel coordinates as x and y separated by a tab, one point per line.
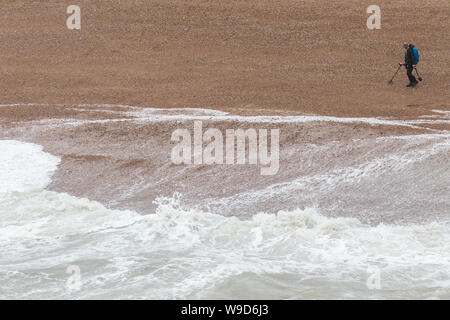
411	56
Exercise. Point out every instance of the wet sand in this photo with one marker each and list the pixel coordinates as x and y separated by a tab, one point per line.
120	156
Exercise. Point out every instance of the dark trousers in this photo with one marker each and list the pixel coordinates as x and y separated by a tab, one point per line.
409	72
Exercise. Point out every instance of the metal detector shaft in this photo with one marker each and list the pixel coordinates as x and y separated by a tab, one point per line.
395	74
420	78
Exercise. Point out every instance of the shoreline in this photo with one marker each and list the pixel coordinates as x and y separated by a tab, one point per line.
120	155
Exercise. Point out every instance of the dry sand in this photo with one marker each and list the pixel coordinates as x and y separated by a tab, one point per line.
307	56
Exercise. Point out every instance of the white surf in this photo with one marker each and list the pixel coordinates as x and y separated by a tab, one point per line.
175	253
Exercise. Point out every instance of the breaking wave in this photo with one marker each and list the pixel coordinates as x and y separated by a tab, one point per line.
180	253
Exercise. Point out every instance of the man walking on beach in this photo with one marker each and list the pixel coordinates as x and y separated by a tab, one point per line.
409	64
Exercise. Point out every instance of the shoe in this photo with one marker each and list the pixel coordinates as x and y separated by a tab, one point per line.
410	85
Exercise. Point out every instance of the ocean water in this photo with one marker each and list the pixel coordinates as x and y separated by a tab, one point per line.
55	245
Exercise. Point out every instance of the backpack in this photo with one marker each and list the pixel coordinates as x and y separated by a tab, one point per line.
416	55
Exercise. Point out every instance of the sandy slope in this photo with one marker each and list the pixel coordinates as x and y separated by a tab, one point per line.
307	56
249	57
